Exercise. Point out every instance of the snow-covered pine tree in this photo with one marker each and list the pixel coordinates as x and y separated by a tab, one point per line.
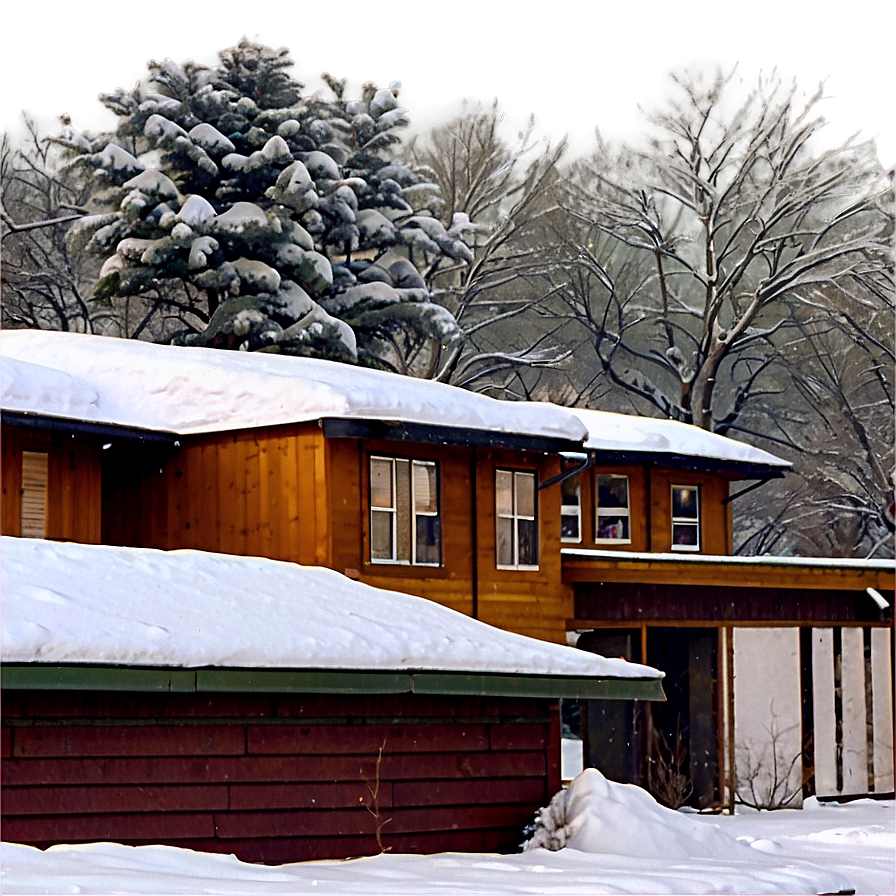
279	222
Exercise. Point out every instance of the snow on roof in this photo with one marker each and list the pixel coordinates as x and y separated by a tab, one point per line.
72	603
626	432
194	390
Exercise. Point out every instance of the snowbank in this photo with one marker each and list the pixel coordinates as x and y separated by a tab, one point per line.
71	603
839	848
600	816
193	390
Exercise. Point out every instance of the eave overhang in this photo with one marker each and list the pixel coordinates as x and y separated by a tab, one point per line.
430	434
69	426
101	677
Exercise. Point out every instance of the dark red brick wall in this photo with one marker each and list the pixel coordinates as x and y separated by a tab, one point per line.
276	778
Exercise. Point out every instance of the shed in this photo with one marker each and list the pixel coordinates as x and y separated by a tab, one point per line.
273	711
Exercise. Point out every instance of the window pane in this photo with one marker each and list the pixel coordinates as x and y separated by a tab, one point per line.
685	501
684	534
428	538
505	542
425	487
569	491
503	492
380	482
528	534
402	510
569	527
612	528
612	491
381	535
525	494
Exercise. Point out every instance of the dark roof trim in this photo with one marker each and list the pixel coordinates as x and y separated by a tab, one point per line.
104	430
84	677
745	469
334	428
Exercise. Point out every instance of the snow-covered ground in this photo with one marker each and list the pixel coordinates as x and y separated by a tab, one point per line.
625	843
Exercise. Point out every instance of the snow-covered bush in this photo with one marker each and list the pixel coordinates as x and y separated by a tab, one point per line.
260	217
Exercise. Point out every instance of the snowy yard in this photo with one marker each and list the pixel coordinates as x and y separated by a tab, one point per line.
626	844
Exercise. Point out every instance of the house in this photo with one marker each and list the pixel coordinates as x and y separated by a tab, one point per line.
277	712
609	530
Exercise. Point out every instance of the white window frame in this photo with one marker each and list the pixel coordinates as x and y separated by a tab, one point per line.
572	510
412	512
690	522
612	511
515	517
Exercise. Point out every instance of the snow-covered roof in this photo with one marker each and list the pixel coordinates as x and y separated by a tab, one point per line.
181	391
626	432
72	603
195	390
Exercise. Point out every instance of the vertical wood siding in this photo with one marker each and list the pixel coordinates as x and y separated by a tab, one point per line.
276	778
73	493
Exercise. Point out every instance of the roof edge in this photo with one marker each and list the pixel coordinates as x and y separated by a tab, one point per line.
110	677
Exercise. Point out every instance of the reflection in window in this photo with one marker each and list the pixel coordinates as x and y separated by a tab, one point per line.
405	525
571	509
613	516
685	518
515	520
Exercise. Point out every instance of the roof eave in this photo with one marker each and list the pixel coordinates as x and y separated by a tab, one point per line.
112	677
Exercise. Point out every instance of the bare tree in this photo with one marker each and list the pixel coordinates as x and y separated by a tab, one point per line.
724	222
503	199
44	285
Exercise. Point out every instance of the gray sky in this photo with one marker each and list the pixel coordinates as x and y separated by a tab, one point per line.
575	64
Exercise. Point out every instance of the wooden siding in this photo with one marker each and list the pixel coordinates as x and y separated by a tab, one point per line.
651	512
609	601
276	778
532	602
254	492
73	507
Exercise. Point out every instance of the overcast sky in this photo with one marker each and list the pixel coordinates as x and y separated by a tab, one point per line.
574	63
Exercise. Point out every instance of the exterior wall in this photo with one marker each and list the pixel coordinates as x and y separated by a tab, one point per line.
254	493
650	498
73	482
276	777
290	494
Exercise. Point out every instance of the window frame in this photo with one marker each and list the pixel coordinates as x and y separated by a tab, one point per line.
612	511
691	522
577	508
412	513
515	517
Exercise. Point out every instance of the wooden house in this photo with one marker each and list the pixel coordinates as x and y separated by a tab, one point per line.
608	530
273	711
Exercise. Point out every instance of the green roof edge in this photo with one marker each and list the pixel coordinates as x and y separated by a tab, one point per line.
97	677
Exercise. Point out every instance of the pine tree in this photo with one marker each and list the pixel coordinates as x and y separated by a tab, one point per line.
266	219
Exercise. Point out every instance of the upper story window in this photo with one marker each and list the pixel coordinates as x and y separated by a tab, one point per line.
613	508
685	518
571	510
405	525
34	494
515	519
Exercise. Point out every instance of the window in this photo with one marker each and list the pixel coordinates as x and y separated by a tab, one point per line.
571	509
34	494
515	520
613	514
404	511
685	518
